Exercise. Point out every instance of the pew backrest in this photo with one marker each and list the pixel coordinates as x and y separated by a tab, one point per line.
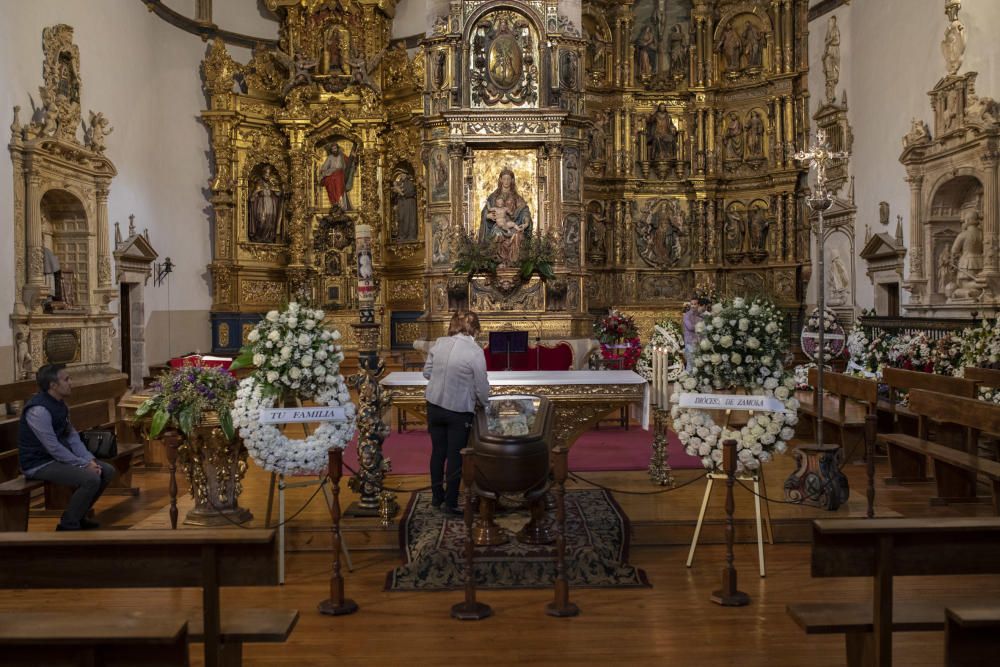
986	377
899	378
913	547
968	412
847	386
139	559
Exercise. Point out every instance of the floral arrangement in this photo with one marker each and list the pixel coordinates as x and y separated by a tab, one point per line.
538	254
296	358
829	320
742	347
619	338
668	336
473	257
182	395
912	353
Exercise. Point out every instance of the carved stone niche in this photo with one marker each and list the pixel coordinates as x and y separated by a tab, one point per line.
884	256
134	257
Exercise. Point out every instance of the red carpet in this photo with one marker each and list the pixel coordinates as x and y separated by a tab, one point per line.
608	449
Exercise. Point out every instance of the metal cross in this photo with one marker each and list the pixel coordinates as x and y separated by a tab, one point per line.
818	157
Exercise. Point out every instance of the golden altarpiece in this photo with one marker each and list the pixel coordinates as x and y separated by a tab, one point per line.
62	259
646	146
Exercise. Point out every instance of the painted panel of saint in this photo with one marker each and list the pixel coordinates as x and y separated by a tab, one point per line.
404	205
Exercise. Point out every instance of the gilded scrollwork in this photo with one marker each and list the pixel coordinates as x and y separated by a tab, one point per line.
262	292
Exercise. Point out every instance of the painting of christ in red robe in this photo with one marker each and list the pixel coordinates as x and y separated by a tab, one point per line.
337	176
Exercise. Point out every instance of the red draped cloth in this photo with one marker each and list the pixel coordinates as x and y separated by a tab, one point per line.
334	184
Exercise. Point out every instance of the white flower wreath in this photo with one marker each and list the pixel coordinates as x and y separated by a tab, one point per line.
295	356
742	345
667	335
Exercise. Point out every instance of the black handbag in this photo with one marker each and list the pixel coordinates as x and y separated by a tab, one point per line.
102	444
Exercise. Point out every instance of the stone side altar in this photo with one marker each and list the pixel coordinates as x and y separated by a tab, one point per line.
62	269
952	169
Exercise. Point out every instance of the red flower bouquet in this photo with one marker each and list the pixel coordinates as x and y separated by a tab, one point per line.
619	339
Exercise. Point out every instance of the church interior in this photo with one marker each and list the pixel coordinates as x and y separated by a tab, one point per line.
729	265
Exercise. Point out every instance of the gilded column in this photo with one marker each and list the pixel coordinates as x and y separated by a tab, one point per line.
779	60
700	41
786	29
553	172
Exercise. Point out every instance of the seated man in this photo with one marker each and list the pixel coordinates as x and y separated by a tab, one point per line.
49	448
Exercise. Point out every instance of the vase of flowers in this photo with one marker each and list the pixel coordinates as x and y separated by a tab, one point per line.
619	338
191	405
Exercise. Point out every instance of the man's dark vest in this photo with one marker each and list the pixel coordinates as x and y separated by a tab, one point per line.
31	451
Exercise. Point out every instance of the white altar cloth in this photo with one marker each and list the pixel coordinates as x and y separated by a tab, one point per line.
528	378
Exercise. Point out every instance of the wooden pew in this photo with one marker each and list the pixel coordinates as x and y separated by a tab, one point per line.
111	638
91	406
883	549
959	422
896	418
970	633
208	559
848	401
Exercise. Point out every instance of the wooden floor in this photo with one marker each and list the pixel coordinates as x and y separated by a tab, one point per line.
671	623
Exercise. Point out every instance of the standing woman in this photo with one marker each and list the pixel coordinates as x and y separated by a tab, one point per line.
456	374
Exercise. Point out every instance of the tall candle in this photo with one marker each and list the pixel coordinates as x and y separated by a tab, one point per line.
366	272
656	376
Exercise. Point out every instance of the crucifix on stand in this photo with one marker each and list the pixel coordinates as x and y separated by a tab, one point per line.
818	157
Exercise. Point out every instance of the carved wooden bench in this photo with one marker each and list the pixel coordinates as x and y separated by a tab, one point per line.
883	549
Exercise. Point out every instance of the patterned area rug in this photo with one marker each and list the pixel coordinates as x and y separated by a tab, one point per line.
433	547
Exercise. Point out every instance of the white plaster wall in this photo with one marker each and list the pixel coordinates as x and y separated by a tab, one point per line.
144	74
890	58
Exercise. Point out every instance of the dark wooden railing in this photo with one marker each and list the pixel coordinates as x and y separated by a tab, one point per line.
933	328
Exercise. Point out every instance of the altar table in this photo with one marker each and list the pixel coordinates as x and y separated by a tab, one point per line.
580	398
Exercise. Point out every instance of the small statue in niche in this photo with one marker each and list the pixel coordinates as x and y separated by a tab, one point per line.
404	206
67	86
567	70
334	61
755	135
839	281
98	130
732	139
439	176
734	231
440	252
883	212
661	135
597	137
571	165
753	46
758	226
265	208
440	67
555	295
678	49
831	59
24	360
731	48
645	51
332	266
946	272
597	232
